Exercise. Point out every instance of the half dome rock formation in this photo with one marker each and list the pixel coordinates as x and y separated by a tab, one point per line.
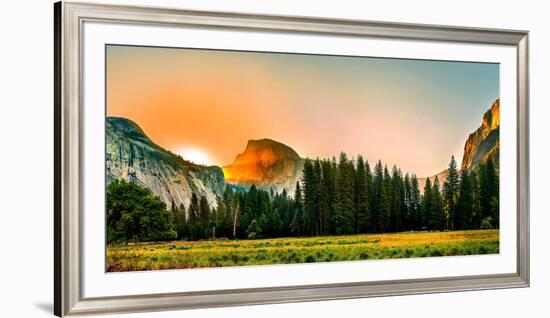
483	144
132	156
266	163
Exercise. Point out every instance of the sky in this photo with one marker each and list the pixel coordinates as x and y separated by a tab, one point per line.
206	104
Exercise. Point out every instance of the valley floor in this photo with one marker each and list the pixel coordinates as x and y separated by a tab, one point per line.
216	253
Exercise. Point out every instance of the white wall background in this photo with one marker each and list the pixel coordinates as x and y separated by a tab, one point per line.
26	174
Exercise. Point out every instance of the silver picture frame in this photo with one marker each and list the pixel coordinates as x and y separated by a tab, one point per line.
69	18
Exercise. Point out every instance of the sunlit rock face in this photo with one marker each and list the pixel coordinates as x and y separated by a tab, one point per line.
483	144
266	163
132	156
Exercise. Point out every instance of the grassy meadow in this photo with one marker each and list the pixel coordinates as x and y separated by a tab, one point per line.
216	253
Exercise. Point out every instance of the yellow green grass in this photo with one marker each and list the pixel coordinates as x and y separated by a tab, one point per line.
216	253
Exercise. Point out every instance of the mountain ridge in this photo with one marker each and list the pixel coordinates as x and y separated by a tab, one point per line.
131	155
266	163
483	144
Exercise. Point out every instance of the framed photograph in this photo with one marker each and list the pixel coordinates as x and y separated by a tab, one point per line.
207	159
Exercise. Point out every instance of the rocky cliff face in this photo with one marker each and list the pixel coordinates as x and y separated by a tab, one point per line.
266	163
132	156
483	144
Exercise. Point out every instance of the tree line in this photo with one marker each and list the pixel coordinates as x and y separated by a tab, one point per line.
343	196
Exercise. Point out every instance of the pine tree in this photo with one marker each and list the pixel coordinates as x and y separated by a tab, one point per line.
370	198
437	214
327	196
396	199
286	213
250	209
193	217
384	216
180	222
426	205
276	223
329	183
476	208
310	196
377	194
465	203
338	217
450	192
361	202
415	204
489	193
345	208
205	218
297	220
221	219
406	215
492	178
320	198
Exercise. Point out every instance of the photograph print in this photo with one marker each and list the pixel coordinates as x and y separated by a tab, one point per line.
219	158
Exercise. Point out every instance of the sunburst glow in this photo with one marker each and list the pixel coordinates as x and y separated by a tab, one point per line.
195	155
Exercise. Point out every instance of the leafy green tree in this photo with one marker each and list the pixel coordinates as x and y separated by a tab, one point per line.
487	223
253	230
135	214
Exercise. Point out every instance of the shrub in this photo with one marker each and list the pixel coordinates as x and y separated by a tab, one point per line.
487	223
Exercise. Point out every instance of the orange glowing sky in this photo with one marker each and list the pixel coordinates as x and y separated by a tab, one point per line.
206	104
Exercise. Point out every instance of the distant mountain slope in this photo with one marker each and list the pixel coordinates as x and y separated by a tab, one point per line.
266	163
483	144
442	176
132	156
